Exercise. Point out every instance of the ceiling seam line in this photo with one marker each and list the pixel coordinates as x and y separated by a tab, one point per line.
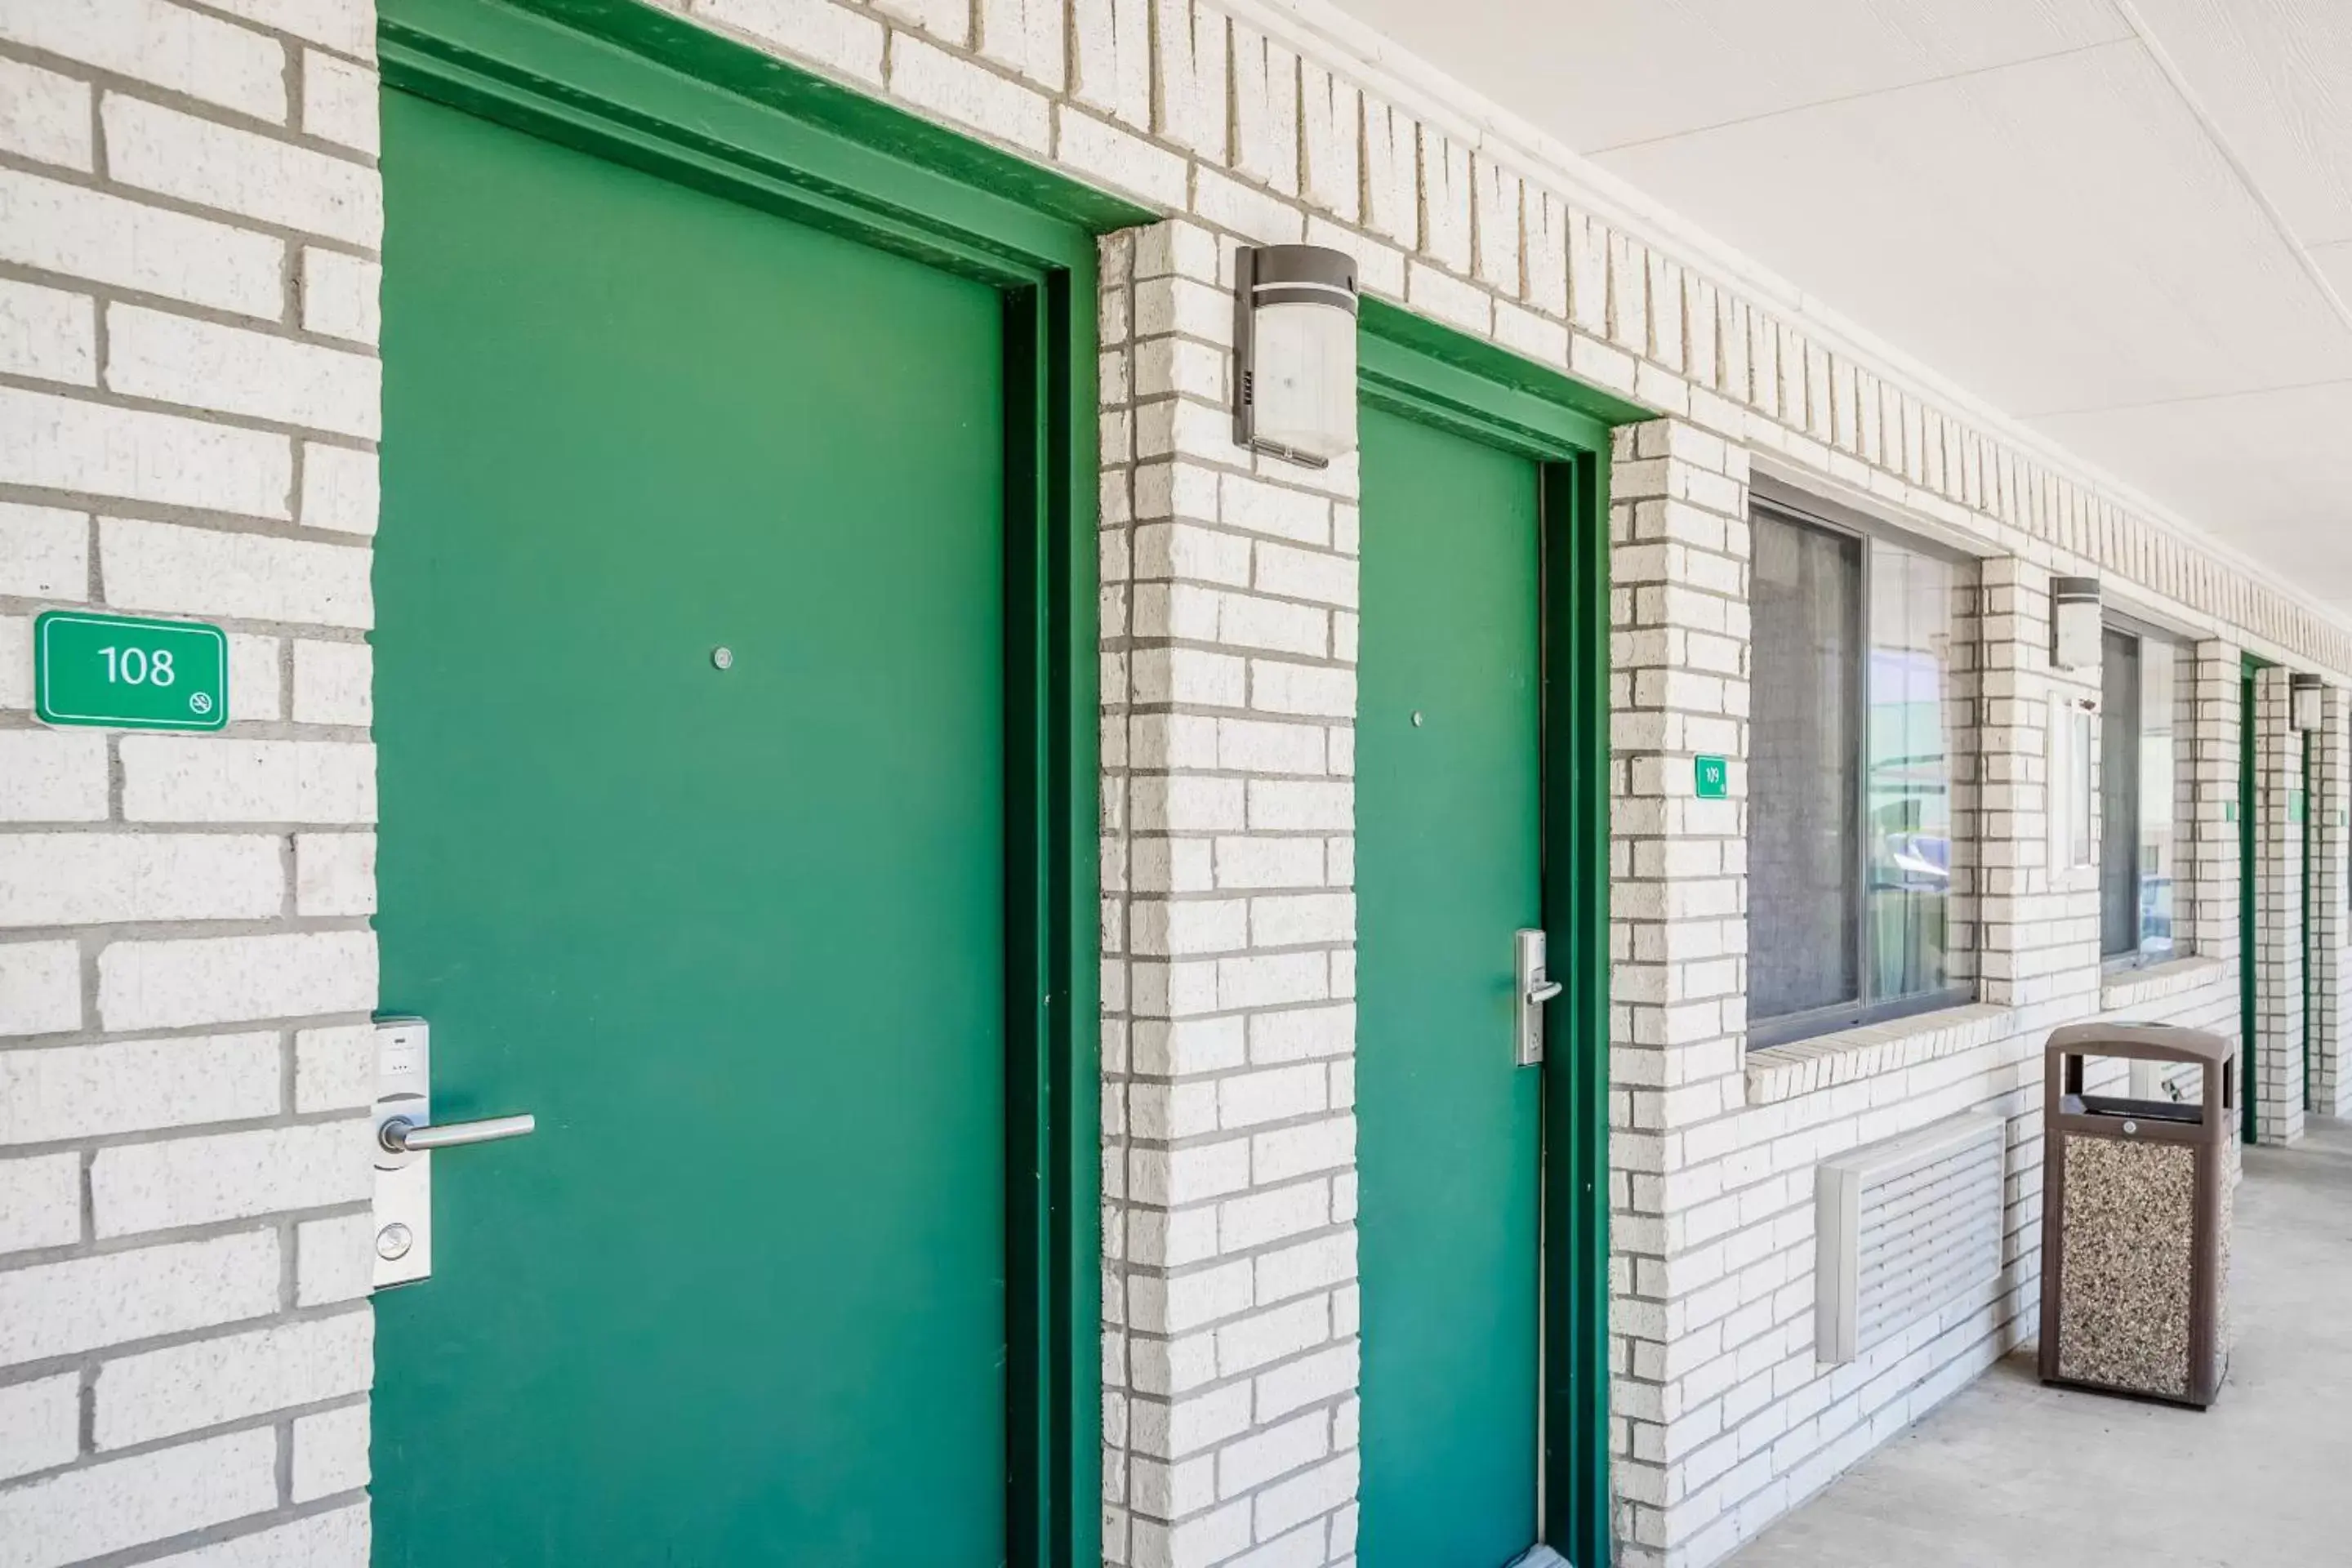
1861	97
2179	80
2319	385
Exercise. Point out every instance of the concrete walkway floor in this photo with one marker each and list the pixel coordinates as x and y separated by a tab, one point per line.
2009	1474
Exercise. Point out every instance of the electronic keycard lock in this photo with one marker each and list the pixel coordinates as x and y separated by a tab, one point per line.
1536	987
405	1137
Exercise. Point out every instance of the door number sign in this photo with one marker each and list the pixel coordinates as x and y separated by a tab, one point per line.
1714	777
129	672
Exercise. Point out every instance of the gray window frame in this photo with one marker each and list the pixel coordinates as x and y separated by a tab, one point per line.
1789	506
2176	647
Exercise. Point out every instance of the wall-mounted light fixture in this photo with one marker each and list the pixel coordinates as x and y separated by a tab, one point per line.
1294	351
2305	704
2074	625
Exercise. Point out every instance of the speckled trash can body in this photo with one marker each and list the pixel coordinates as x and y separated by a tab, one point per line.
2136	1219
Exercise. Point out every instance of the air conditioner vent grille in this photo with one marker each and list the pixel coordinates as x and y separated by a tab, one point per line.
1906	1228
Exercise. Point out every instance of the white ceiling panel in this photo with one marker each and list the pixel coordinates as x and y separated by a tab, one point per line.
2275	78
2270	472
1604	73
2126	222
2056	234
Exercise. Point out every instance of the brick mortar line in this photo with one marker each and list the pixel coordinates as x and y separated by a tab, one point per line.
91	945
135	510
292	39
288	132
116	827
194	414
1152	644
101	183
279	1515
102	79
239	626
21	721
1177	1273
1253	593
93	1457
272	1223
276	329
137	1033
287	1115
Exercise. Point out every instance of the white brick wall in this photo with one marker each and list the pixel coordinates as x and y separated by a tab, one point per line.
191	214
70	1515
164	1392
190	208
1722	1417
1229	927
2215	741
2331	812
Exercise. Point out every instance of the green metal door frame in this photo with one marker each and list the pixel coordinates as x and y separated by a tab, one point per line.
646	89
2249	1009
2310	833
1432	373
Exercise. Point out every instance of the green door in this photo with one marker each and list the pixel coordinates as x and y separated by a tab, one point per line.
735	935
1448	867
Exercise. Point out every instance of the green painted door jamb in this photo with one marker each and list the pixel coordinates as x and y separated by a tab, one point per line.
1576	894
2249	1013
2310	836
1433	373
646	89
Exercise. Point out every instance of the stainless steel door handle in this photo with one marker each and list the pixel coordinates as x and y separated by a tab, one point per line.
399	1135
1535	989
406	1136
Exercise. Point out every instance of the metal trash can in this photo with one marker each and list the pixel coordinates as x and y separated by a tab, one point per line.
2135	1218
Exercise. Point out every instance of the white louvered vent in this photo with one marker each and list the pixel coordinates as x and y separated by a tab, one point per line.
1905	1227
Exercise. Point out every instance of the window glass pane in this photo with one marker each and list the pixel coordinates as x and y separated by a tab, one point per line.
2120	796
1805	619
2160	764
1907	772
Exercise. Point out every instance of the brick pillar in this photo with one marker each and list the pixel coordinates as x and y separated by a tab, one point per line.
1229	646
1678	941
2215	738
2184	800
2331	1084
2278	923
2038	920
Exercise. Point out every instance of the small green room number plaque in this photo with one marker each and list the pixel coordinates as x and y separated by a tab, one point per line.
129	672
1714	778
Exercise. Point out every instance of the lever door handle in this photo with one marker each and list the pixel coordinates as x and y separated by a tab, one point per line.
399	1135
1535	988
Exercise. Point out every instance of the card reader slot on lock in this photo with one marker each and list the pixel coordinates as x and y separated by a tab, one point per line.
405	1137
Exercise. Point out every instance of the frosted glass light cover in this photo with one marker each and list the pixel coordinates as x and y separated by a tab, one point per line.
2079	626
1305	387
2305	709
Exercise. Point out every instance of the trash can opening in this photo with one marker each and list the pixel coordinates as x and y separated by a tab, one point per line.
2141	1088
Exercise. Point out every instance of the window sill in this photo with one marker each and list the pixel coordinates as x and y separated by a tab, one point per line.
2137	987
1848	1056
